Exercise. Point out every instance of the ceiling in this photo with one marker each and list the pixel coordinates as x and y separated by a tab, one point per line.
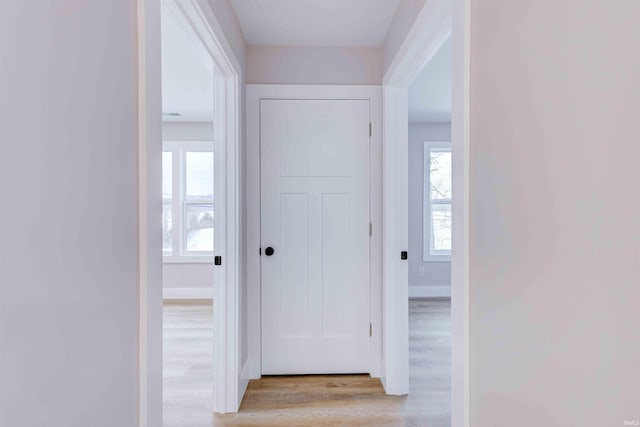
430	91
325	23
187	83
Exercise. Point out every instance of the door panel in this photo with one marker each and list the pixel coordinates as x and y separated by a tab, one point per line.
314	146
315	214
335	276
293	252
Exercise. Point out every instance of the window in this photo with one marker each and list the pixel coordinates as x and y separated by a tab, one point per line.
167	192
187	201
437	202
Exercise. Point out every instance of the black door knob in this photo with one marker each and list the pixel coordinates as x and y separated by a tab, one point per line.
269	251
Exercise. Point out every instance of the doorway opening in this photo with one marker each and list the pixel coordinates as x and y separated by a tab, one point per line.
188	224
440	221
430	237
195	177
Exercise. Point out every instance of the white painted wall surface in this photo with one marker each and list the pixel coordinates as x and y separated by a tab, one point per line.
437	275
187	131
402	22
68	185
314	65
187	280
555	229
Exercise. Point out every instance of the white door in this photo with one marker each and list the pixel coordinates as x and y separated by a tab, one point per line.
315	236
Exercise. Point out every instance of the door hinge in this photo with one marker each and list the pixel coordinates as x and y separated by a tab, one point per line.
370	329
370	229
217	260
370	129
260	251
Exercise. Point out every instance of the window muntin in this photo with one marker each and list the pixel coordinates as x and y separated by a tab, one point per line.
188	216
167	194
167	229
440	241
437	201
167	174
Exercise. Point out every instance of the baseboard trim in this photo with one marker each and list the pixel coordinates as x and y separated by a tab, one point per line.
429	291
187	293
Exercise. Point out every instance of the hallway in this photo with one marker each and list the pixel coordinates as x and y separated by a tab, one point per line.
356	400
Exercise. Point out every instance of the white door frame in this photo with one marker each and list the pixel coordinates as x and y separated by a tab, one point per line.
149	218
197	19
254	94
438	20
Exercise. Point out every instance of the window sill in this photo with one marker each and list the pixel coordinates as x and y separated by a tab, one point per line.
436	258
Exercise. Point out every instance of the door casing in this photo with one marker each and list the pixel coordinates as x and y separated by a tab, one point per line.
255	93
437	20
199	22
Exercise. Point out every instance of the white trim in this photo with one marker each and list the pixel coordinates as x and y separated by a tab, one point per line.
149	151
429	291
437	20
210	39
435	258
396	239
429	32
187	293
187	145
254	94
460	278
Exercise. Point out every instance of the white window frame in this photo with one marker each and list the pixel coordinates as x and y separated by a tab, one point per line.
427	253
179	201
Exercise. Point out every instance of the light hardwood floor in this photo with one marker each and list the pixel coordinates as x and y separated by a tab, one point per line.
314	400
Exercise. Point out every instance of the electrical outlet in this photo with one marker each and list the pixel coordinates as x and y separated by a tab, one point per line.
421	271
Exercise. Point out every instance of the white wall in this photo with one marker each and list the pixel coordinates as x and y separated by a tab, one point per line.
187	131
314	65
330	65
68	185
187	280
436	281
555	215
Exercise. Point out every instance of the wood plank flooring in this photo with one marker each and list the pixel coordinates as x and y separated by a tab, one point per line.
313	400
